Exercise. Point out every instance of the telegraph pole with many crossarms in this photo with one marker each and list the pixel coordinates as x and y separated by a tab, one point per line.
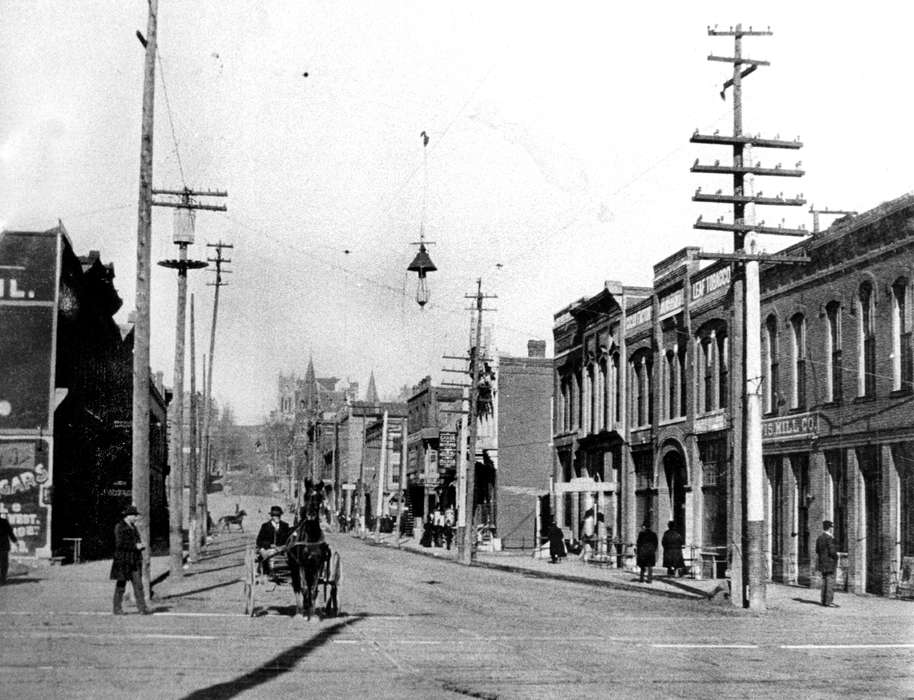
746	483
203	477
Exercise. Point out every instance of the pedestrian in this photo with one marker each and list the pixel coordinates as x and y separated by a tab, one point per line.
128	562
449	526
672	550
556	542
426	539
438	527
827	554
646	552
273	534
6	537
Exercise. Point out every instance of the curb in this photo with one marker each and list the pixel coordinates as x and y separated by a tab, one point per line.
571	578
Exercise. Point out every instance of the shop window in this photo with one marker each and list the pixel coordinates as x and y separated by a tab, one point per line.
644	485
798	348
866	332
834	369
901	338
713	456
836	464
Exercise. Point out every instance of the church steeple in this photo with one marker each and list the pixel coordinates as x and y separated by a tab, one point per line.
310	389
371	395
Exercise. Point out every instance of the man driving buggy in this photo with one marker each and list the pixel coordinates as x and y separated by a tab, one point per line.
273	534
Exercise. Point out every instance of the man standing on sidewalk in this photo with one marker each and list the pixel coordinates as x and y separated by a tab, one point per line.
128	562
827	554
6	536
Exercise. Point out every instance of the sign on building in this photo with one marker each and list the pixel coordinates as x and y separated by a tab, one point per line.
799	426
28	308
447	450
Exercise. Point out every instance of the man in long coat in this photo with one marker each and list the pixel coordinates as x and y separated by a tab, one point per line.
273	534
646	552
128	562
556	542
672	550
827	554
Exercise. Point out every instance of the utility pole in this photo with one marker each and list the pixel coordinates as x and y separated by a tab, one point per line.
382	460
140	418
219	261
746	483
192	539
469	530
404	431
183	237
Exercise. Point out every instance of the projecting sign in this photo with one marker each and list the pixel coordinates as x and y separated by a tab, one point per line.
447	450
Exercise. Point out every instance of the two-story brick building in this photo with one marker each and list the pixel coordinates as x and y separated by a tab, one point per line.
643	395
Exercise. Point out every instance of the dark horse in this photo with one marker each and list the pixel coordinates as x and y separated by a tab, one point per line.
309	555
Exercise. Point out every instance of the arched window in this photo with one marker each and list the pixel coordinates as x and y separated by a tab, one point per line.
641	378
834	379
723	367
901	337
672	406
798	357
866	331
772	387
616	388
602	413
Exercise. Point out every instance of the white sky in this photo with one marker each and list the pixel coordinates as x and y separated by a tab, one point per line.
559	148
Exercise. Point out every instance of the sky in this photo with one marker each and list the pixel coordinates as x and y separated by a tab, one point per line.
558	156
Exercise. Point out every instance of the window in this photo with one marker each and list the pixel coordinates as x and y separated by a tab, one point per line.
866	373
616	389
683	383
901	338
587	422
672	406
834	379
836	464
641	377
798	370
602	400
713	455
772	389
707	364
723	368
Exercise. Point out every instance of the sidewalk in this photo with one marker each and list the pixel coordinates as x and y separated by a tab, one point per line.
779	597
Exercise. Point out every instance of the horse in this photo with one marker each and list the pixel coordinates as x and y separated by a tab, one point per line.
309	555
226	521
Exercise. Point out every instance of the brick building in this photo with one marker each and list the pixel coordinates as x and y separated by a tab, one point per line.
642	377
66	383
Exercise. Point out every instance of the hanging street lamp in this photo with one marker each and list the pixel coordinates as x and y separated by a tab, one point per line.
422	264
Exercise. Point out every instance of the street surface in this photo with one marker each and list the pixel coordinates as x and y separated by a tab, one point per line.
414	626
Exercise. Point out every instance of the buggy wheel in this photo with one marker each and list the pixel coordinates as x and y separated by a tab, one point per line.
249	580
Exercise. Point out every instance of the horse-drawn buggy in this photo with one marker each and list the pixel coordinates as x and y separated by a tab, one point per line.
304	556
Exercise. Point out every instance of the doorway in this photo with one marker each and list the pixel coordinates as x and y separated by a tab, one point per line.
872	487
677	482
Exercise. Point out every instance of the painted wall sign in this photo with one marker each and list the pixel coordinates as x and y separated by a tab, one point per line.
28	274
25	477
801	425
671	303
637	318
711	283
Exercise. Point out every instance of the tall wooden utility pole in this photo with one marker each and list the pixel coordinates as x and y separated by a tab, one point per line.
140	418
192	538
183	237
746	483
469	529
382	464
219	261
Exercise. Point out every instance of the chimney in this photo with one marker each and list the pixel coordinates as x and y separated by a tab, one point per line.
536	348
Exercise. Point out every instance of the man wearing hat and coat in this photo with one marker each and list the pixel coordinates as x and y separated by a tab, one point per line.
128	562
273	534
827	555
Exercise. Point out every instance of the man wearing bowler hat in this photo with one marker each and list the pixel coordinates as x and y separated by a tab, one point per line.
128	562
827	554
273	534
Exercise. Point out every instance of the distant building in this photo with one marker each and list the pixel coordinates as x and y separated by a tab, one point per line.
66	384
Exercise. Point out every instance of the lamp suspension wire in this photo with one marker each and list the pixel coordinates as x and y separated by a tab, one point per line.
424	186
